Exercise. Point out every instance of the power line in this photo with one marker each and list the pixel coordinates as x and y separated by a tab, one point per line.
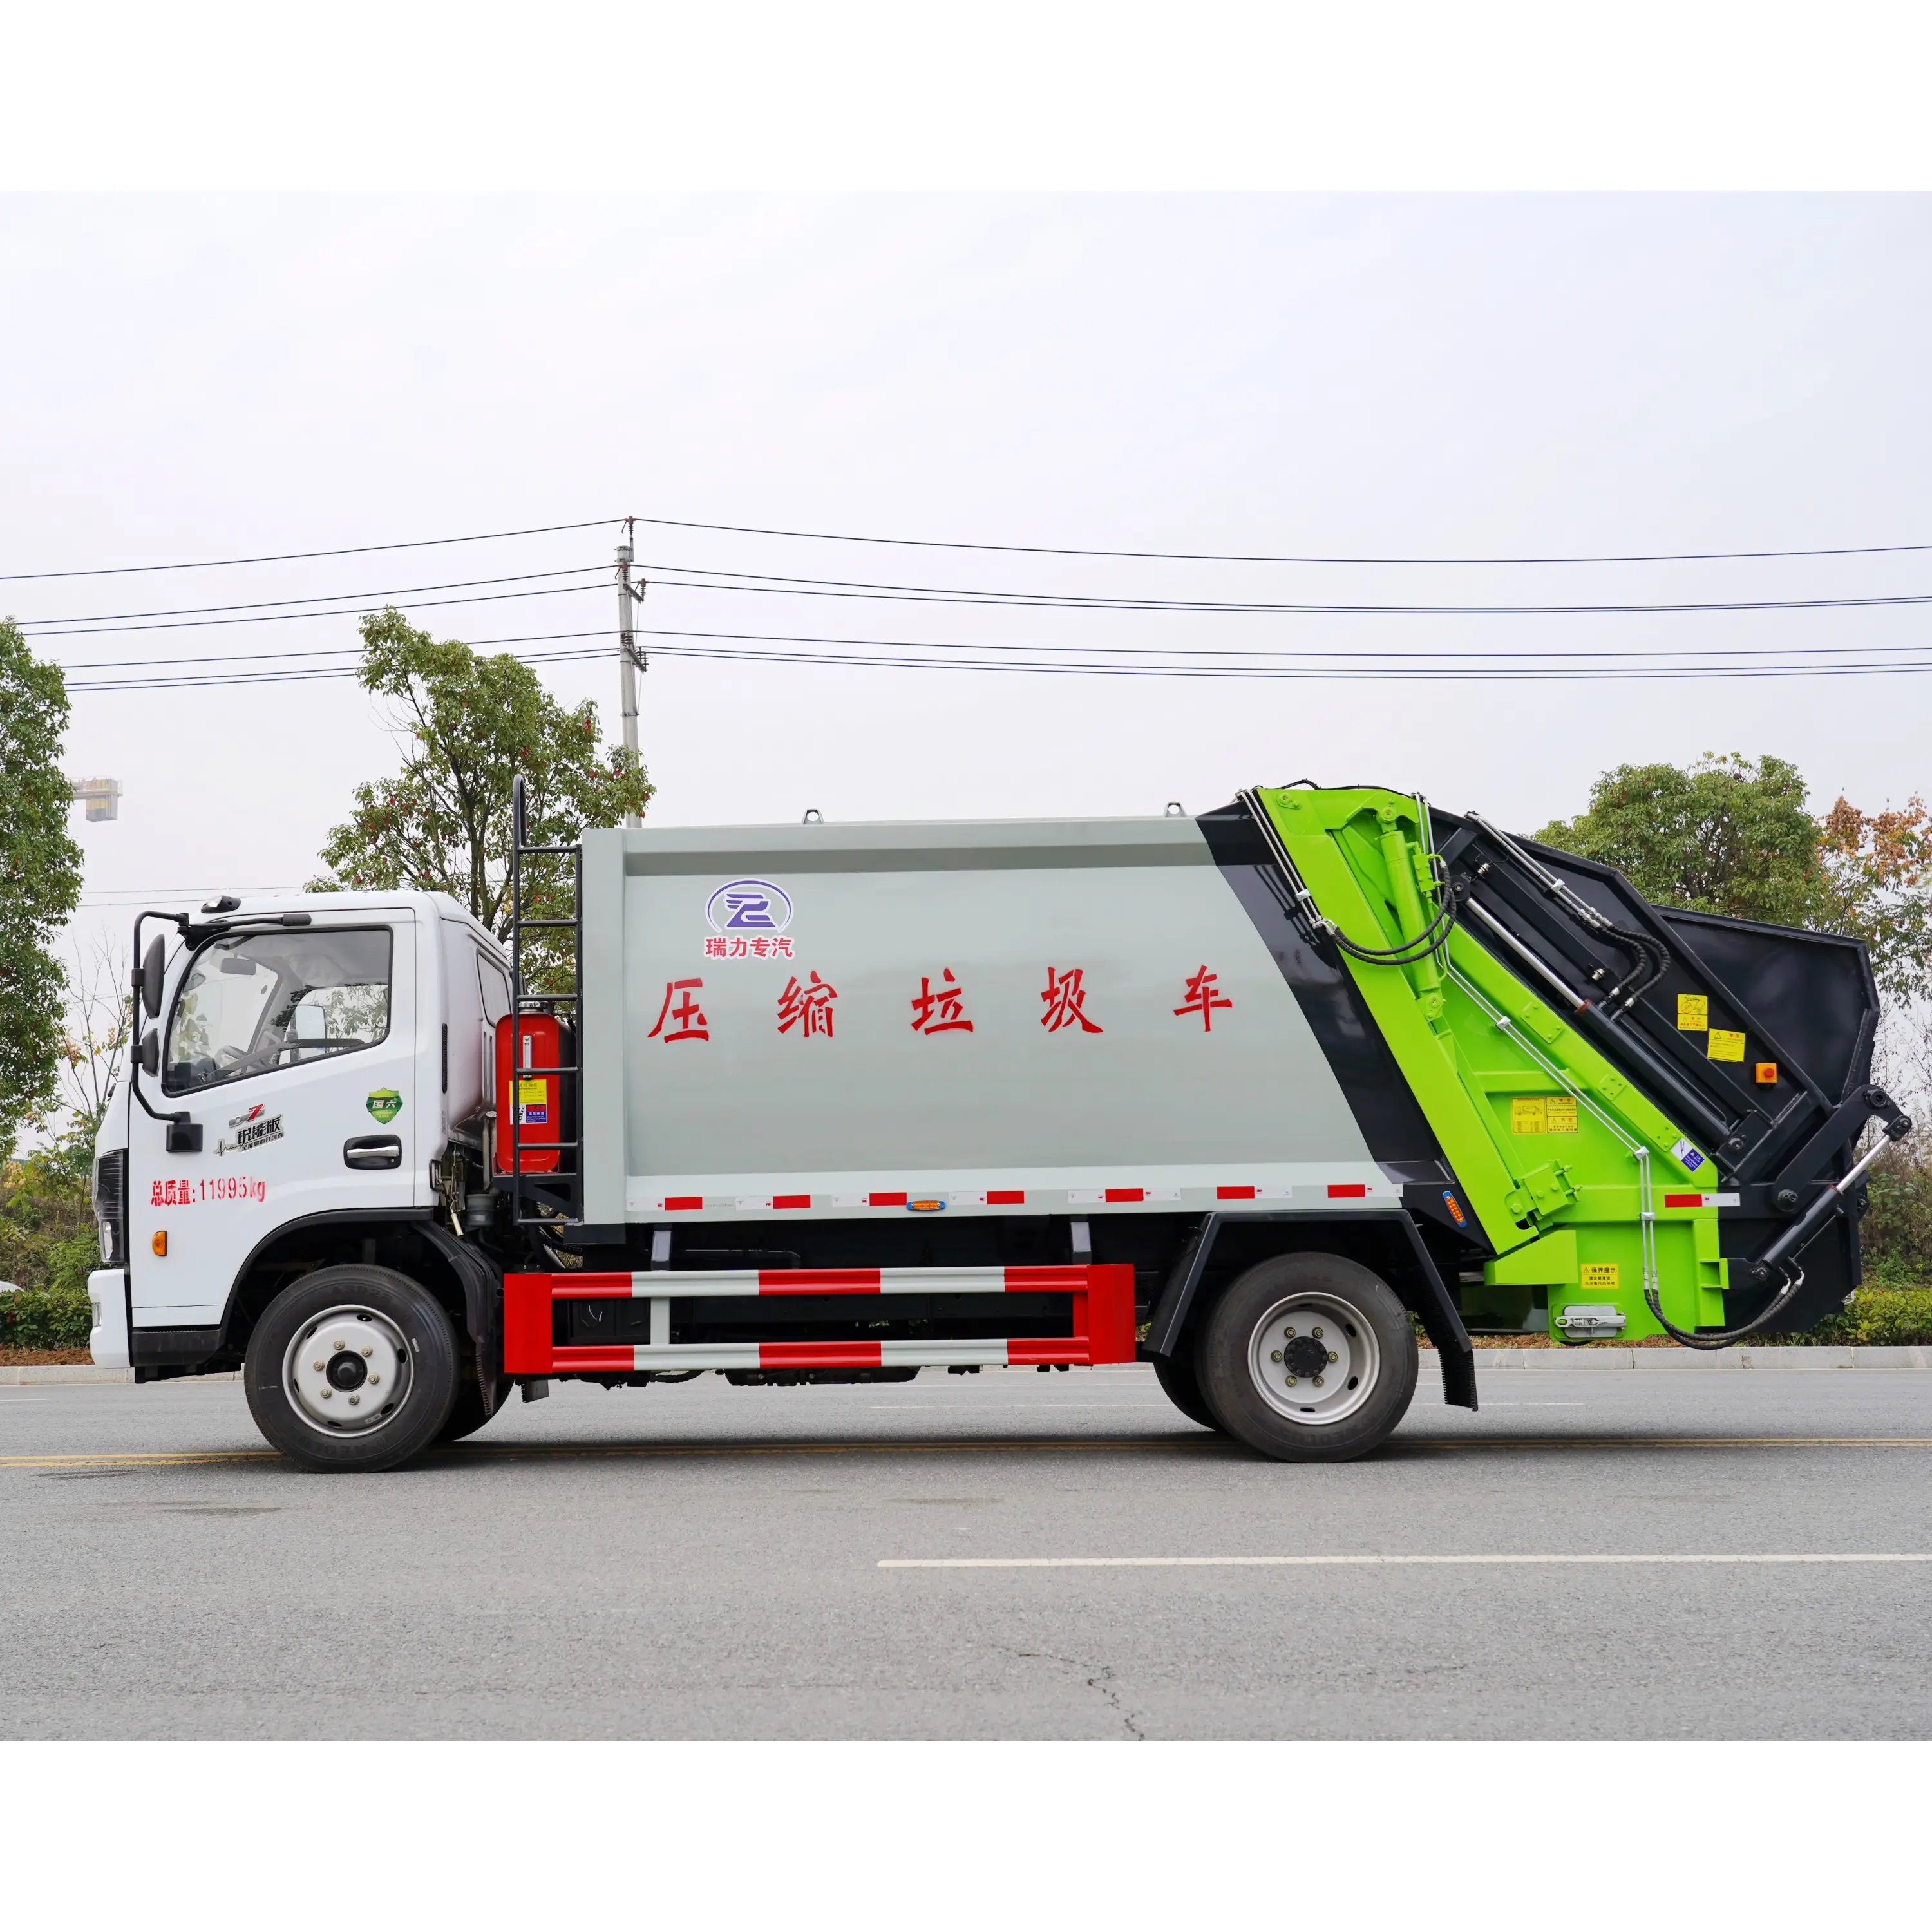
1563	654
860	590
1217	556
290	616
38	627
305	556
1429	671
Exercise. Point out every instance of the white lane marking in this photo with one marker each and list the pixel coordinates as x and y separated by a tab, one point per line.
1338	1562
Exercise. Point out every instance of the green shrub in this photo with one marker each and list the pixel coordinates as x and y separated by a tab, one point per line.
45	1317
1879	1317
47	1237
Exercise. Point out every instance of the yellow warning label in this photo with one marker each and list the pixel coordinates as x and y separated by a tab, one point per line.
532	1092
1543	1113
1600	1277
1694	1012
1725	1046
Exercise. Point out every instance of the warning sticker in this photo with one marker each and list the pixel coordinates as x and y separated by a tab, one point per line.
1693	1013
531	1093
1600	1277
1543	1113
1725	1046
1687	1156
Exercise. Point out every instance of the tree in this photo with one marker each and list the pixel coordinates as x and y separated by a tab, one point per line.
1728	835
94	1040
471	725
40	879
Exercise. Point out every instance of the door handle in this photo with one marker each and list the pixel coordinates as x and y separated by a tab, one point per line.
373	1150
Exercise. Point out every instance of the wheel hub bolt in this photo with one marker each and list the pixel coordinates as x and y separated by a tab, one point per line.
1291	1382
1315	1332
1288	1332
1331	1356
1276	1357
1317	1384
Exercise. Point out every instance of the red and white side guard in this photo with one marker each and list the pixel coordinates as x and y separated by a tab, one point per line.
1101	1329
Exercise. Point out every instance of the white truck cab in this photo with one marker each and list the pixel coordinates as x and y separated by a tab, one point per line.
311	1072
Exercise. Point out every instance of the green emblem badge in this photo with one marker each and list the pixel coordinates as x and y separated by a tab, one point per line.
386	1103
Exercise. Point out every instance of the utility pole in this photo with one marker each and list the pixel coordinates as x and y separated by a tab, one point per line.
628	662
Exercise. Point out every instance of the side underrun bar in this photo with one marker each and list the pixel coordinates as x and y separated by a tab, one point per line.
1100	1328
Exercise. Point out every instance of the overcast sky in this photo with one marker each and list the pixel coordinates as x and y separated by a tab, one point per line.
204	377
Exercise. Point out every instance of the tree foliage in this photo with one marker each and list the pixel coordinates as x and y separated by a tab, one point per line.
40	879
469	725
1731	836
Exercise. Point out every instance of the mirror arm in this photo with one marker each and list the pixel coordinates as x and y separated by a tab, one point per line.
180	922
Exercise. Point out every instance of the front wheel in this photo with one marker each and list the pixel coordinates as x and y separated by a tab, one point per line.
352	1368
1309	1358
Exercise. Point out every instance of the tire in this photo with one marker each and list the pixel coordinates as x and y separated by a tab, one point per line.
350	1331
1257	1359
466	1414
1175	1375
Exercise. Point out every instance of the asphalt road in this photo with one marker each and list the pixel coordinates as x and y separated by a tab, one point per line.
701	1561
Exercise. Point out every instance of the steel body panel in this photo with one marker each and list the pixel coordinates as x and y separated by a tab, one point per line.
1142	1097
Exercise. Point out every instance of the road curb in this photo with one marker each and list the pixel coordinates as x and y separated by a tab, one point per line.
1692	1361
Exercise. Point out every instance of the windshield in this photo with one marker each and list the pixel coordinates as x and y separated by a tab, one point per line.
252	1004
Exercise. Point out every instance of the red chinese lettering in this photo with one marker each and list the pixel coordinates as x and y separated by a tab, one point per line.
1202	998
737	949
782	945
812	1004
714	947
687	1017
1066	1002
942	1011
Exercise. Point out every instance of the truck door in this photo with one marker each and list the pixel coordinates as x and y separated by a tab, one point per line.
295	1053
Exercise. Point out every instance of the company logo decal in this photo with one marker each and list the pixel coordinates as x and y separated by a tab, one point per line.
385	1104
749	906
252	1129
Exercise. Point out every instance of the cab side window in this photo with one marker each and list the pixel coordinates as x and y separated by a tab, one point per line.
254	1003
495	985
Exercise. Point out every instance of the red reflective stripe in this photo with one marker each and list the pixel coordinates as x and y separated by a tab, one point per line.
673	1203
886	1200
791	1200
585	1286
622	1359
1127	1194
1046	1280
1047	1348
1007	1197
1233	1194
1684	1200
818	1281
1346	1190
819	1355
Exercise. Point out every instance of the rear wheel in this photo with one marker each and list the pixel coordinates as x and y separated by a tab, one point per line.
351	1369
1175	1375
1309	1358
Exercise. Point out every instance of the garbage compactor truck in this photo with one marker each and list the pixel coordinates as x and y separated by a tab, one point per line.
1259	1097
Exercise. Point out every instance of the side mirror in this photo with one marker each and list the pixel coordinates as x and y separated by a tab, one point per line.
153	969
150	1054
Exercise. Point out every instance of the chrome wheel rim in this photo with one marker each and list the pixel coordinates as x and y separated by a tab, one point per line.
347	1372
1314	1359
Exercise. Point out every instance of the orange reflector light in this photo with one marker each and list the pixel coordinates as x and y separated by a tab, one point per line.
160	1243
